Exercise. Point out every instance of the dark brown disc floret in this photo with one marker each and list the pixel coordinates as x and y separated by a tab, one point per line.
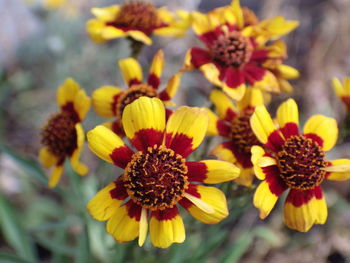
134	92
137	15
60	135
232	49
242	135
156	179
300	162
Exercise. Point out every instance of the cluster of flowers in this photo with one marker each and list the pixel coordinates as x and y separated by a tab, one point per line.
243	57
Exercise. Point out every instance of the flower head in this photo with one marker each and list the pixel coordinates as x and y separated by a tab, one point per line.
343	91
157	178
110	101
137	20
63	136
237	52
295	161
232	123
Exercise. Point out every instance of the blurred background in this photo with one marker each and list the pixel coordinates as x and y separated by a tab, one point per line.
42	42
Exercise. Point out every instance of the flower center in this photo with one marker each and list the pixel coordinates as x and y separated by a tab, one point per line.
300	161
60	134
156	179
134	92
232	49
242	135
137	15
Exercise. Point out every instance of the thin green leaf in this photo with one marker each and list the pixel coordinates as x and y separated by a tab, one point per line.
10	258
13	231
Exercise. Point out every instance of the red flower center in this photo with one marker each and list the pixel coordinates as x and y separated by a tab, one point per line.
300	161
156	179
137	15
60	135
134	92
232	49
242	135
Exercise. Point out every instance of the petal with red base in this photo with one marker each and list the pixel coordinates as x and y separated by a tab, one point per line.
131	71
77	166
264	129
166	228
156	69
261	78
173	84
234	83
323	130
144	122
269	191
223	105
305	208
123	225
186	129
211	196
288	118
211	171
109	146
103	205
224	152
46	158
104	100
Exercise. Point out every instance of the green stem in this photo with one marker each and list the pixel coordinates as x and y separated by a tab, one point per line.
136	47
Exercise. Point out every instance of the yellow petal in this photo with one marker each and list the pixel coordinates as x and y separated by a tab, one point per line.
103	142
338	87
262	124
82	104
220	171
246	177
67	92
237	10
223	103
164	232
139	36
172	87
215	199
110	32
122	226
264	199
103	100
188	123
257	154
212	126
77	166
143	227
223	153
287	112
324	127
55	176
157	64
131	70
46	158
102	206
288	72
303	217
211	73
144	114
252	97
236	93
339	170
106	14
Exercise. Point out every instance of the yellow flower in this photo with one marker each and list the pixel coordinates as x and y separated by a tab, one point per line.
343	91
232	123
110	101
237	51
137	20
156	177
63	135
295	161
